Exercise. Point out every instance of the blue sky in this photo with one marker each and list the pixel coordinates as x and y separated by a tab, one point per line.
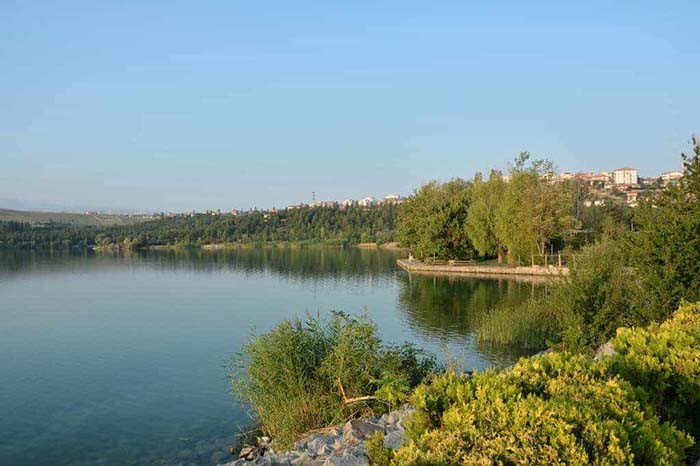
196	105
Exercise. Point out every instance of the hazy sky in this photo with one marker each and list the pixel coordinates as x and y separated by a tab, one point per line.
195	105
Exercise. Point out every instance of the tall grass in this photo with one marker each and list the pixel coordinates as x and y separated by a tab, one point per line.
292	375
581	312
531	324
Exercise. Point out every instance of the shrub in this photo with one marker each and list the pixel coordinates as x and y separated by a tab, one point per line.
663	362
553	409
378	454
299	376
580	312
601	294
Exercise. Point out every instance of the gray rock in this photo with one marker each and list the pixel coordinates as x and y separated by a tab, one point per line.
359	430
325	450
300	445
394	439
281	461
318	442
303	460
359	450
605	350
247	452
338	444
393	417
346	460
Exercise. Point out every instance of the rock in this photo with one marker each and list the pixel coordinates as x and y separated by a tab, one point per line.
604	351
317	442
281	461
338	444
262	441
394	440
303	460
359	430
247	452
393	417
346	460
300	445
325	450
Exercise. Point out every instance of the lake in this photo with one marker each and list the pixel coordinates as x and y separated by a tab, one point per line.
122	359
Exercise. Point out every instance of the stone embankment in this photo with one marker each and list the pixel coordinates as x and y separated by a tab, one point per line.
418	266
335	446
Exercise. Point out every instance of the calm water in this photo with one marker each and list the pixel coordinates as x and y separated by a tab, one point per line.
121	360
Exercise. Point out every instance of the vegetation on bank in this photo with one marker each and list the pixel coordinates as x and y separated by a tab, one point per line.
336	225
307	374
511	220
627	278
637	407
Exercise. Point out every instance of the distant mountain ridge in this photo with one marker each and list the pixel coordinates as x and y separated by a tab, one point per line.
79	219
47	206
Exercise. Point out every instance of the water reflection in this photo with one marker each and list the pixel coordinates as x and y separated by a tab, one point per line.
300	263
118	358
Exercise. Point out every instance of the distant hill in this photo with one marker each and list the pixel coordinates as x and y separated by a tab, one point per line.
86	219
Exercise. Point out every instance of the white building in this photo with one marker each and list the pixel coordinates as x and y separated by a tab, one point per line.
348	202
671	177
367	202
625	175
566	176
392	199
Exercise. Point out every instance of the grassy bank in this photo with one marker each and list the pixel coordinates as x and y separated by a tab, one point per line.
637	406
309	374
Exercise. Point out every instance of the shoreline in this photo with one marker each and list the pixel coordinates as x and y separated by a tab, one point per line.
482	270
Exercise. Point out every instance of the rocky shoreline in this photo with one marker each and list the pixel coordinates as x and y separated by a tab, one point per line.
342	445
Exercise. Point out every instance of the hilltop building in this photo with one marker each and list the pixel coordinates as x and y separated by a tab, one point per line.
367	202
323	204
669	178
392	199
625	176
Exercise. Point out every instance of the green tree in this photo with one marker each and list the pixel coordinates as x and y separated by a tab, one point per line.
481	216
534	210
665	248
433	221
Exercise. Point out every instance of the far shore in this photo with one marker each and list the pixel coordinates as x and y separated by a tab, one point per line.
392	246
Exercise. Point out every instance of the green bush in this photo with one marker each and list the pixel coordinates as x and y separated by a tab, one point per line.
294	374
663	362
378	454
601	294
553	409
581	312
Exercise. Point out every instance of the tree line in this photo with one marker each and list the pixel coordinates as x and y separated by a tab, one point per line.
352	224
506	218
